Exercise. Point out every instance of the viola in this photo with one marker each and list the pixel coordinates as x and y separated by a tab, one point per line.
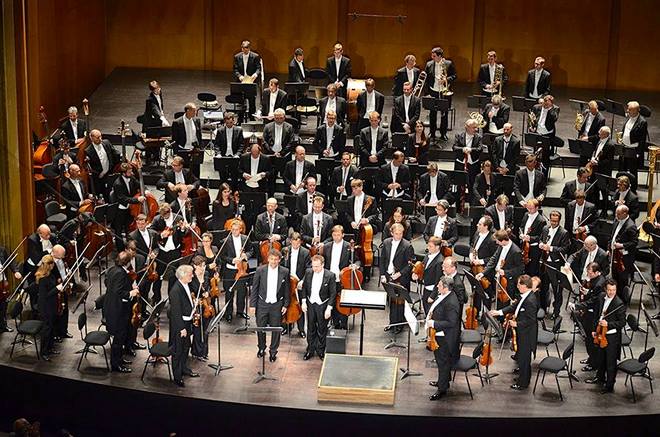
208	310
486	358
503	282
431	341
215	288
471	321
600	339
446	251
136	312
418	269
152	273
514	335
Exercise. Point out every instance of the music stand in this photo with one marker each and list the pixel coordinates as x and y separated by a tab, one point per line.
290	201
262	374
247	279
495	331
227	165
399	141
365	299
436	104
219	236
215	322
343	212
390	204
395	292
518	213
413	326
475	213
577	105
583	148
477	287
576	328
172	265
324	167
83	301
477	101
369	175
614	108
649	323
296	91
245	90
524	105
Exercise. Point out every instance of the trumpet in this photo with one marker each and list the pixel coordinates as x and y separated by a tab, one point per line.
419	85
579	121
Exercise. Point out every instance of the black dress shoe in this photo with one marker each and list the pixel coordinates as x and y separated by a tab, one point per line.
138	346
387	328
45	357
516	370
272	358
126	361
517	387
6	329
437	395
307	356
584	361
228	318
122	369
587	368
261	353
180	383
433	383
322	356
302	334
243	316
606	390
285	331
191	374
130	352
594	380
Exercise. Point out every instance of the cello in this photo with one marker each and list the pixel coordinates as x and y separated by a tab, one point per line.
350	278
265	247
150	205
366	249
43	153
238	210
294	310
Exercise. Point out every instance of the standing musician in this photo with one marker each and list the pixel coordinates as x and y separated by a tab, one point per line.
102	160
408	73
181	316
338	68
61	271
235	251
590	292
125	188
432	273
633	138
297	171
297	71
501	213
529	233
270	299
525	323
247	69
433	186
120	288
270	224
169	245
373	141
337	256
316	227
318	295
305	200
623	246
394	178
442	226
200	285
154	112
362	209
395	258
253	165
297	260
342	177
609	316
450	270
441	73
369	101
74	191
482	248
146	245
547	114
580	214
13	267
73	128
271	99
625	196
496	114
444	317
467	150
554	245
330	138
417	149
398	216
506	151
486	186
137	265
208	251
593	121
591	253
278	135
506	261
48	288
187	137
486	77
39	243
229	138
538	80
602	159
223	208
405	111
332	102
529	183
174	176
182	205
581	182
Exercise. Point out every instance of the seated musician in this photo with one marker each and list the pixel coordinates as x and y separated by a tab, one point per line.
610	315
529	183
229	138
501	213
633	138
64	158
270	224
316	226
486	186
482	248
581	182
278	135
506	262
338	68
271	99
529	231
296	172
102	160
394	178
408	73
373	142
74	191
297	259
580	214
369	101
338	255
625	196
395	266
330	138
554	245
176	174
506	151
317	295
496	114
200	285
342	176
126	189
590	253
417	149
187	137
254	165
305	200
467	150
602	159
623	243
432	273
247	69
332	102
234	252
593	121
223	208
297	71
405	110
398	216
433	186
538	80
442	226
171	233
73	128
486	77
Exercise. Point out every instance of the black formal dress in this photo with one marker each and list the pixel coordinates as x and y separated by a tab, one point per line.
101	182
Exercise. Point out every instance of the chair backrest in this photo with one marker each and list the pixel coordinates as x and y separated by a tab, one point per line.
632	322
148	330
567	352
16	310
476	353
52	208
646	355
556	326
645	111
540	314
99	302
82	320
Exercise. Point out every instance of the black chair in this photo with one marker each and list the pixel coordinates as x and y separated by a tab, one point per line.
209	101
54	215
466	363
637	368
626	339
470	336
555	365
178	114
546	338
98	306
158	352
92	339
554	157
28	328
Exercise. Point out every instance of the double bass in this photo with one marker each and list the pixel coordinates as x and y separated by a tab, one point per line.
150	205
351	279
294	310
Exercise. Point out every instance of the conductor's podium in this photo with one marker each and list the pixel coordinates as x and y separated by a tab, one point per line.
358	379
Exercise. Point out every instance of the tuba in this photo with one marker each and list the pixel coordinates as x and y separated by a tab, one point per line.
579	121
419	85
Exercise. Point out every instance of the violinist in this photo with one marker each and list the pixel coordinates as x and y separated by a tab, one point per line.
529	234
182	205
554	245
398	217
61	271
625	196
342	176
223	208
444	317
73	127
146	239
297	260
525	323
441	225
200	286
316	226
450	270
235	251
395	267
39	243
501	213
486	186
102	160
174	176
48	287
270	224
625	236
181	321
120	289
590	253
317	294
482	248
208	251
394	178
432	273
580	214
506	261
581	182
529	183
296	172
13	267
337	256
590	292
417	149
136	267
610	316
433	186
126	189
506	151
169	245
305	200
74	191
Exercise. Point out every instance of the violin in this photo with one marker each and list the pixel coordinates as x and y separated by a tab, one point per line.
214	292
600	339
471	321
514	334
156	339
431	342
152	273
479	268
446	251
525	249
208	310
503	282
136	311
350	279
617	260
486	358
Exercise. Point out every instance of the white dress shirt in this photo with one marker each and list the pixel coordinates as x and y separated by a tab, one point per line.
406	105
626	132
371	104
599	148
317	282
238	246
357	207
74	127
537	76
440	226
103	157
169	243
530	182
501	216
191	133
230	137
245	63
78	186
271	102
374	140
277	137
540	126
146	237
587	123
505	144
410	73
395	246
294	262
335	256
254	165
606	305
591	256
433	183
271	285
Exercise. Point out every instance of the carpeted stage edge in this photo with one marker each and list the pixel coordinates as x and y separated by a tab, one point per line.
96	409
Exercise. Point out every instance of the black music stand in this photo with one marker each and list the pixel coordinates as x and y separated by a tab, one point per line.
246	91
215	322
583	148
390	204
650	323
577	327
172	265
83	301
159	132
524	105
324	167
518	213
290	201
475	213
296	91
262	374
400	141
369	175
227	166
395	292
477	101
614	108
219	236
436	104
477	287
413	326
495	331
247	279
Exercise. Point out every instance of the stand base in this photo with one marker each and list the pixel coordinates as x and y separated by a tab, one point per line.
22	342
408	372
487	376
219	368
393	343
90	350
261	376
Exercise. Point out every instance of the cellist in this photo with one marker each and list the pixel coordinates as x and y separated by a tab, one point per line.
506	261
235	251
318	294
297	260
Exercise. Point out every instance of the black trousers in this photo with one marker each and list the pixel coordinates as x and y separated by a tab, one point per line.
269	314
622	279
47	332
238	290
472	171
62	322
443	358
524	359
200	343
433	116
317	328
180	350
606	360
191	161
425	300
165	258
117	348
339	320
3	314
121	221
592	349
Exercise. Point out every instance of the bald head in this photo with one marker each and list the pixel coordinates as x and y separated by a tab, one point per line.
44	231
58	252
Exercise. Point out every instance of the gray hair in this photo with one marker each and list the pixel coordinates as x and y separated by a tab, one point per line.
182	270
446	282
72	110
